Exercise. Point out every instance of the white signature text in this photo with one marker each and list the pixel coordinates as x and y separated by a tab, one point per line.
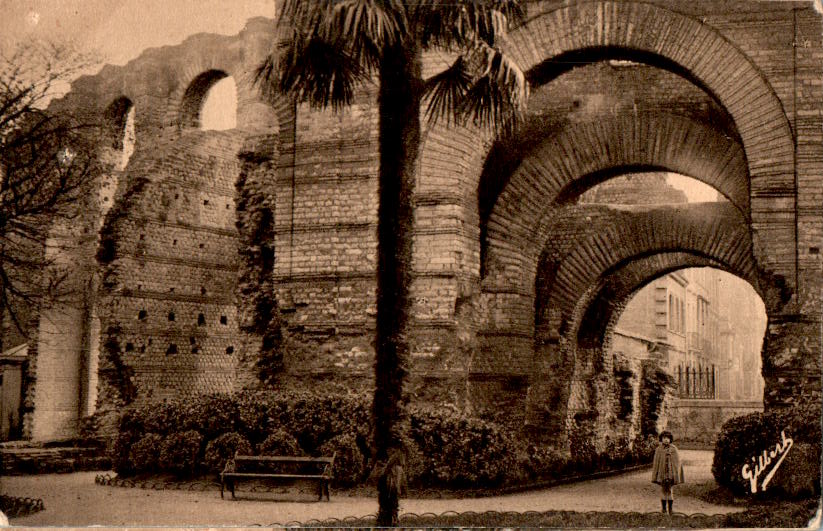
764	460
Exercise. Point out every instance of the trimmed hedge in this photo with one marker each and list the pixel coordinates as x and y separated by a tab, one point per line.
180	453
280	443
223	448
461	452
349	462
444	449
144	454
742	438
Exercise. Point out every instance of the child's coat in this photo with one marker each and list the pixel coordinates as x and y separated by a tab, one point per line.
667	467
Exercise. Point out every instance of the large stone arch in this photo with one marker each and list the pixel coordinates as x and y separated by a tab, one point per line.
549	408
582	155
603	245
597	311
714	231
732	79
590	283
651	33
254	111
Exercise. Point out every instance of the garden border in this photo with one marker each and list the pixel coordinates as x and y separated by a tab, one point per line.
17	507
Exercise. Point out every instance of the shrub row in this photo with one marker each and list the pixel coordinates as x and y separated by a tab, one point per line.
445	449
745	437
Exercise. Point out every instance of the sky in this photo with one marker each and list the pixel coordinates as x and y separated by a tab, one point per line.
696	191
117	31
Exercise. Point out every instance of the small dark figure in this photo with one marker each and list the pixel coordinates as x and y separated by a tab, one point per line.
230	467
667	470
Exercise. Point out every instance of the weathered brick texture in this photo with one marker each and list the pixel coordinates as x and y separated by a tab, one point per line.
726	92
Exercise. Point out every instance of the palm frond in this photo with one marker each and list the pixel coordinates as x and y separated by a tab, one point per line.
445	92
327	47
305	16
498	95
365	28
314	71
458	24
383	23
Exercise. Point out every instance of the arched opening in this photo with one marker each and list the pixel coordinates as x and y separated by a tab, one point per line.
219	111
210	102
602	246
703	328
665	39
652	188
596	122
713	320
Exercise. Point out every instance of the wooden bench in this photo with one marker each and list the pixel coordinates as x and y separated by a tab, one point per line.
278	468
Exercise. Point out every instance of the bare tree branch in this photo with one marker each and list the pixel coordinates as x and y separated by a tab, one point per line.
47	161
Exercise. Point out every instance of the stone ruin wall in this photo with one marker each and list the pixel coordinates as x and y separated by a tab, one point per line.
172	311
324	183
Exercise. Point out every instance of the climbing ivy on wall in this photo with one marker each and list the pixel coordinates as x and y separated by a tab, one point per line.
113	370
256	294
654	383
624	393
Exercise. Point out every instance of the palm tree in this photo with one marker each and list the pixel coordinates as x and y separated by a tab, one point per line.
327	48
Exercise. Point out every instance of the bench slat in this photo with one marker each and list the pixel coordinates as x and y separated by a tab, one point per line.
290	476
283	459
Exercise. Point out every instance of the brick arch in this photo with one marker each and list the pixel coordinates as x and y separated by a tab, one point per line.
254	111
715	232
114	121
709	58
598	310
195	95
585	154
585	341
650	33
596	274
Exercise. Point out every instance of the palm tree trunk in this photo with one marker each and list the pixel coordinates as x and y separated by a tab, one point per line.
399	105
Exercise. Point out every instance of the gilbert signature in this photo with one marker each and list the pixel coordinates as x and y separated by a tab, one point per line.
764	460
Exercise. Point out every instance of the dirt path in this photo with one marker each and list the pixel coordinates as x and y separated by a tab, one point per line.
74	500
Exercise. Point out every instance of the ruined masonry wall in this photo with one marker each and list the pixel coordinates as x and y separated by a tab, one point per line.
175	271
176	238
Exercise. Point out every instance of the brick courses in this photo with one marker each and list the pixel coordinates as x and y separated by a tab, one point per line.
721	99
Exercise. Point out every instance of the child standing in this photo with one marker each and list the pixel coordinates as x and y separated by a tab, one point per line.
667	470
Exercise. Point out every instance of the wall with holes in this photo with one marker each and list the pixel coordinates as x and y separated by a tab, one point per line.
485	210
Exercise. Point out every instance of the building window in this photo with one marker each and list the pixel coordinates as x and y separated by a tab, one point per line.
671	312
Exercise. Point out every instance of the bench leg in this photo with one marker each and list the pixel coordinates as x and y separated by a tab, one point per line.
221	490
326	486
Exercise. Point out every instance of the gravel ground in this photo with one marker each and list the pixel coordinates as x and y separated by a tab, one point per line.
75	500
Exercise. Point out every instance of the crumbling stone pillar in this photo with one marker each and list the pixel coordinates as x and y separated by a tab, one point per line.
791	361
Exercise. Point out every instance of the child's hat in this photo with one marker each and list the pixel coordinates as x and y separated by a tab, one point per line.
666	433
